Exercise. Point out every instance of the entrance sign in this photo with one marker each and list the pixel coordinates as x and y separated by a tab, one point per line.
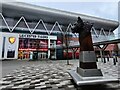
34	36
87	72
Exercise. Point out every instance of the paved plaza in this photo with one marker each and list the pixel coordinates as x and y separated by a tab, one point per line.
51	75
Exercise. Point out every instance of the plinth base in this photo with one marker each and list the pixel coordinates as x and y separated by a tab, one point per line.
79	80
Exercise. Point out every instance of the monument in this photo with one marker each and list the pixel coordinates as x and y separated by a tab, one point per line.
87	72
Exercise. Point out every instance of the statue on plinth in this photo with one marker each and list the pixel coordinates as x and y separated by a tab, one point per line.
87	66
87	72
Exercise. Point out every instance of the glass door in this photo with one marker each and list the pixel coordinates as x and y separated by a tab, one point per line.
42	55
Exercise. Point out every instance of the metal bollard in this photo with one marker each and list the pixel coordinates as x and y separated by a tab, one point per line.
116	58
108	59
114	61
96	59
104	60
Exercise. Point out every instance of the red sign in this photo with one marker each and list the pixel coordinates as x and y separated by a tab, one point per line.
30	49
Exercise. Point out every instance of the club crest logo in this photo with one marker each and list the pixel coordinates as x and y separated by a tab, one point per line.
12	39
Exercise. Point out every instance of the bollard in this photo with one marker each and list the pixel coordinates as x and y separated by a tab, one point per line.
104	60
116	58
96	59
108	59
114	61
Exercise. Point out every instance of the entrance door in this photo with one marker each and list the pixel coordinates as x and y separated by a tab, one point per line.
42	55
25	55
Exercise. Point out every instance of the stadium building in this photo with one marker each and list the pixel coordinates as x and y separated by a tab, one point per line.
29	31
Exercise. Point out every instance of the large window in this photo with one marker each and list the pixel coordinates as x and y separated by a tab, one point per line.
25	43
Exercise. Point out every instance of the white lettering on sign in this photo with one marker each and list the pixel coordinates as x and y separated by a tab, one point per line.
33	36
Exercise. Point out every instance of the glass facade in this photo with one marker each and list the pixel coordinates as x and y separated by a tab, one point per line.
27	45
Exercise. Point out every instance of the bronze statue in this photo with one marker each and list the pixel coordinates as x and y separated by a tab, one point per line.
85	39
87	71
87	54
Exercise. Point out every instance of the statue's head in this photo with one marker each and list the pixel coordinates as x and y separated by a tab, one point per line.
87	26
77	26
81	26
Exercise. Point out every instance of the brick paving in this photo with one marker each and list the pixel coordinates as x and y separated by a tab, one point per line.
53	75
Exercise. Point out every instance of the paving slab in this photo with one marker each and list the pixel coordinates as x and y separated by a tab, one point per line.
43	75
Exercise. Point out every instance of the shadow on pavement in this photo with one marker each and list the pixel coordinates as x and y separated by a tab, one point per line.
94	87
